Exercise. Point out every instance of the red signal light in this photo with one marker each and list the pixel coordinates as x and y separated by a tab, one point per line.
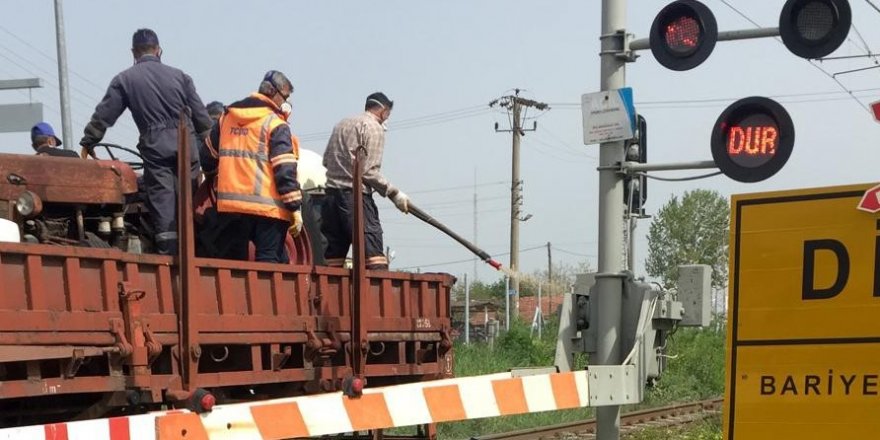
683	35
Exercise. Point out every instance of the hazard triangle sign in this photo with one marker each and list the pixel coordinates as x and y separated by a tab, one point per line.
875	110
871	200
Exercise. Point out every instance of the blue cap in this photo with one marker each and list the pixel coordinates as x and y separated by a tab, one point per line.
144	36
44	129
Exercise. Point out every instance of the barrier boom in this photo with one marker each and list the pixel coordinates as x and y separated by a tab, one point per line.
378	408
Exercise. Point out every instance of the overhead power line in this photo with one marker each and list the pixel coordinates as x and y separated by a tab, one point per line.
419	121
782	98
469	260
85	79
448	188
82	97
829	75
575	254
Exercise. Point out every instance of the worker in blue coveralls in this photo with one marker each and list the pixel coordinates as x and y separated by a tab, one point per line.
155	94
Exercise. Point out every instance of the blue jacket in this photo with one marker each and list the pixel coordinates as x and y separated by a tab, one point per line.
154	93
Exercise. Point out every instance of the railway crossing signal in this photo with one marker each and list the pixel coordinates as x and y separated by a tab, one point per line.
684	33
752	139
635	188
814	28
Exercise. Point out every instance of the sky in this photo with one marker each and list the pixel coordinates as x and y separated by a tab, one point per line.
442	63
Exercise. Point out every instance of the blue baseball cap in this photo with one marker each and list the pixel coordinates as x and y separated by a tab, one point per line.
144	36
44	129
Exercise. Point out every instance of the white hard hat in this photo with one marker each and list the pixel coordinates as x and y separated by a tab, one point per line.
310	171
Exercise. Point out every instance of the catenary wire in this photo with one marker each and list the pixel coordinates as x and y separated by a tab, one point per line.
829	75
470	260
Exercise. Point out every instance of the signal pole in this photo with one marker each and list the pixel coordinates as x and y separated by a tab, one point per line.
63	86
609	282
516	105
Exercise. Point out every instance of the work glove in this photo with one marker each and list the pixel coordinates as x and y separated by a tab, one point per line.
296	224
85	152
401	201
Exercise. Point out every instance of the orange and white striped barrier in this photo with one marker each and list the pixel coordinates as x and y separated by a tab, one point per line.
378	408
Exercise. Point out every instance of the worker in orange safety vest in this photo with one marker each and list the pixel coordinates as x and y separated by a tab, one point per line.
253	152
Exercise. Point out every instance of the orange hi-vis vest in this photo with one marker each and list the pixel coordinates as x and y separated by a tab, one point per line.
245	181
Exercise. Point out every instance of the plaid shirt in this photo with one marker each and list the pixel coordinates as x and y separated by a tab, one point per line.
363	129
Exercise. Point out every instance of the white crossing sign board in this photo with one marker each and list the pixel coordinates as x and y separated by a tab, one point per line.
608	116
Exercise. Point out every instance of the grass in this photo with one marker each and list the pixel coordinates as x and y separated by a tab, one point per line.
695	371
515	349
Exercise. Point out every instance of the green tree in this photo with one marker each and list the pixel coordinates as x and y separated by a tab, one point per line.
692	230
480	290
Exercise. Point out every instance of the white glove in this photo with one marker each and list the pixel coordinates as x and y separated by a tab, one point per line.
401	201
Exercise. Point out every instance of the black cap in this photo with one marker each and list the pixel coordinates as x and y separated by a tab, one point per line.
144	37
215	107
380	99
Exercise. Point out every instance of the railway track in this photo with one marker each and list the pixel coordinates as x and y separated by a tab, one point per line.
656	417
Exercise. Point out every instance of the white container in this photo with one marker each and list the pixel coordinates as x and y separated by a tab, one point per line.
9	231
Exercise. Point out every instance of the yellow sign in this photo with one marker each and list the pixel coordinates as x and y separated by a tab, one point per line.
803	339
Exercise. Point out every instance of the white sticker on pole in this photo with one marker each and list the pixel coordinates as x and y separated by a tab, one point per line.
608	116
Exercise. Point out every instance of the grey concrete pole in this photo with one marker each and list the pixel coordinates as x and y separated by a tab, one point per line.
611	224
467	310
515	198
66	128
507	303
540	312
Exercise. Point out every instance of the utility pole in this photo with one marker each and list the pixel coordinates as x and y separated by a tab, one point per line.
475	221
66	129
549	278
516	105
609	281
467	310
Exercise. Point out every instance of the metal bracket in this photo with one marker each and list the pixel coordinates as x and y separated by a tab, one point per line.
154	347
628	54
73	364
280	358
623	53
117	328
445	342
613	385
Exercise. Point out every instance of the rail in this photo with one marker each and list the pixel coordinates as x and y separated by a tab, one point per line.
665	416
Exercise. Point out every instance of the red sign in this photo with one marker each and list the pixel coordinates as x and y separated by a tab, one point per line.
875	109
752	140
871	200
